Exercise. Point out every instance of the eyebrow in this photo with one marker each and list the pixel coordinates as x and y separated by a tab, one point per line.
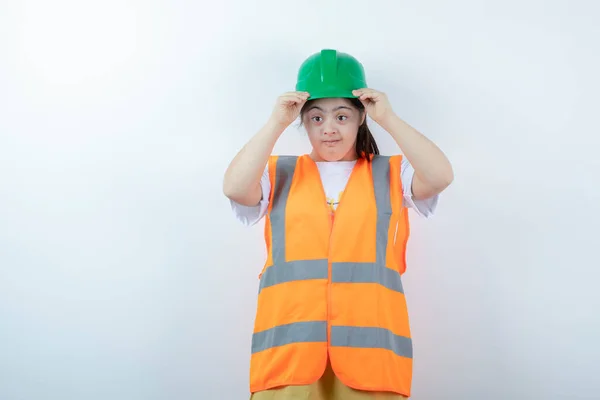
335	109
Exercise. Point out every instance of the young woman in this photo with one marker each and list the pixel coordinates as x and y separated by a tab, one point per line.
332	321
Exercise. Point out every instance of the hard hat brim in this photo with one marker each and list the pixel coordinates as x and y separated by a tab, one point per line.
346	94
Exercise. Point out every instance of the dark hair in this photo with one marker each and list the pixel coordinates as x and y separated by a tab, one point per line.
365	142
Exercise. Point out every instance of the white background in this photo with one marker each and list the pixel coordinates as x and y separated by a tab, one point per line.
123	274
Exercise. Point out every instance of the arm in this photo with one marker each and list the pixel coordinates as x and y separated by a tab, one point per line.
241	182
433	171
242	178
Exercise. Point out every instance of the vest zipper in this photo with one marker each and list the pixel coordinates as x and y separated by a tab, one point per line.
331	219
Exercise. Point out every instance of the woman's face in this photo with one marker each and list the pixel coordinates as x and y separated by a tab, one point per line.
332	125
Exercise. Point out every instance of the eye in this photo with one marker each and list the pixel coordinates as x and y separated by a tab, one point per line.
316	119
342	118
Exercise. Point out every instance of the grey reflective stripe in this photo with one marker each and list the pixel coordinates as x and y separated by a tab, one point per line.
284	172
366	273
294	271
298	332
381	185
367	337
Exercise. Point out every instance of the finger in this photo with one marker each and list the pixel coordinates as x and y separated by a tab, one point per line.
293	99
373	96
294	102
363	90
299	96
303	95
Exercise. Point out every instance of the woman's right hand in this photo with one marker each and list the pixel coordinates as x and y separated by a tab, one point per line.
288	107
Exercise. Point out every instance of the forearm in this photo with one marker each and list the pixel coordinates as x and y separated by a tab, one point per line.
432	168
241	182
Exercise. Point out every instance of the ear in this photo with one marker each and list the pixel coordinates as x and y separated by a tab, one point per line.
363	117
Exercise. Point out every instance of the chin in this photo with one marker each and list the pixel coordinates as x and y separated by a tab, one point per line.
332	155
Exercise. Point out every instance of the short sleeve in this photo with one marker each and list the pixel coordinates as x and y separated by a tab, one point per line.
251	215
426	207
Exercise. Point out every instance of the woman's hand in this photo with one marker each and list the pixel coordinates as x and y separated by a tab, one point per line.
288	107
376	103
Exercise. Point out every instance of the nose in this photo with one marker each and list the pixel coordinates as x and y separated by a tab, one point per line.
329	127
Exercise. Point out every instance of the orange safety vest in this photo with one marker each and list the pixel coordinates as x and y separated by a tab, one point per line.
331	287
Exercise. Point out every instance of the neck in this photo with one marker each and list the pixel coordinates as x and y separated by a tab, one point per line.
350	156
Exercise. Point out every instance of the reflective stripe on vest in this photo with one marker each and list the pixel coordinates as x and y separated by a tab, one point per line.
322	272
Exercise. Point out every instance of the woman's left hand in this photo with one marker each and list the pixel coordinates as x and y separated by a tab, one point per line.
376	103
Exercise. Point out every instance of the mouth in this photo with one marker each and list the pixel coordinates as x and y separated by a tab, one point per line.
331	143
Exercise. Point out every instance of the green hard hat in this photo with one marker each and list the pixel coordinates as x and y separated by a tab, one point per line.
330	73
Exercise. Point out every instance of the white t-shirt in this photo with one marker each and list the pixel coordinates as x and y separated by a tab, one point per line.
334	176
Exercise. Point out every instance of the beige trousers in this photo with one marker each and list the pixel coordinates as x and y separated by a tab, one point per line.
329	387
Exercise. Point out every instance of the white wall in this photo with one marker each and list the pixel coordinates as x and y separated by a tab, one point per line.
123	274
